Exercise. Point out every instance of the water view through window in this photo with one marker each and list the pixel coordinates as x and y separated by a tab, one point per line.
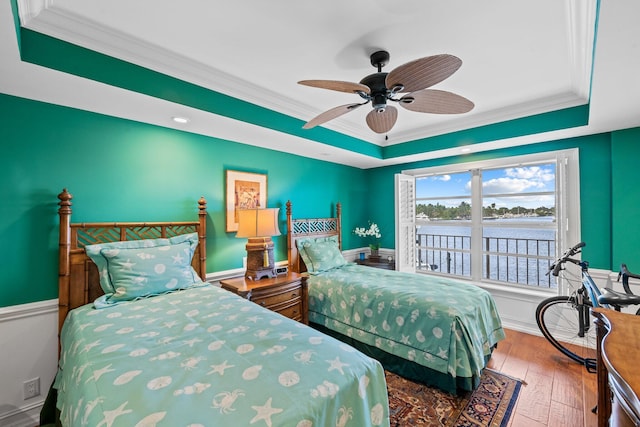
511	211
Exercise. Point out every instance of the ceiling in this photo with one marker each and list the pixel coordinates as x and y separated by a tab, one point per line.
519	59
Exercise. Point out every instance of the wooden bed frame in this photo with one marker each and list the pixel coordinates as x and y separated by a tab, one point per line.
78	278
310	227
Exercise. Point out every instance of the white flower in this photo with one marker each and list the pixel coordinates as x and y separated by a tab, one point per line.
372	231
372	234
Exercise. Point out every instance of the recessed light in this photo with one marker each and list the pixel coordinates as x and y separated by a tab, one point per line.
465	150
181	120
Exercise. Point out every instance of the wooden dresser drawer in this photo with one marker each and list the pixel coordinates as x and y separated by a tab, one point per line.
292	311
286	294
272	297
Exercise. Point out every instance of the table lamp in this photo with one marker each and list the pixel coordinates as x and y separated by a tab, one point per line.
258	225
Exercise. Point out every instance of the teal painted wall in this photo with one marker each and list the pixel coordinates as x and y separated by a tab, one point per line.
128	171
120	170
595	189
625	199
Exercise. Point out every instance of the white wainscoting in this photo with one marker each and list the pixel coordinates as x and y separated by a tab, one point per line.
28	349
353	254
518	308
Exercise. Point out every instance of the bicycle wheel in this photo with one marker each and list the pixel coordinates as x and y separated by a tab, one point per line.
559	321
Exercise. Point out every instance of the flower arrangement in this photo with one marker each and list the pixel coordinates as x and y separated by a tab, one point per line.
372	234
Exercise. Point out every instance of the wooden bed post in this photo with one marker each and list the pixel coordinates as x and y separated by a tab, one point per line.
339	224
202	237
64	243
289	235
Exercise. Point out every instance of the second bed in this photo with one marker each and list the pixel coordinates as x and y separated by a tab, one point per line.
433	329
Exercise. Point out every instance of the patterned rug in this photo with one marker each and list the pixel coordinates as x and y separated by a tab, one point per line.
490	405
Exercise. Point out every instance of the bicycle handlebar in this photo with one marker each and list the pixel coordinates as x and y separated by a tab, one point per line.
625	274
625	271
557	265
574	250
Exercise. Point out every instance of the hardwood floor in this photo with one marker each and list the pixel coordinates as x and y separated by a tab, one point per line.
556	391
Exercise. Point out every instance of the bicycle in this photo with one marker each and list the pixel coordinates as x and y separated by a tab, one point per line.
565	320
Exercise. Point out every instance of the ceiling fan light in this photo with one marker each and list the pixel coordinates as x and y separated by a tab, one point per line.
379	102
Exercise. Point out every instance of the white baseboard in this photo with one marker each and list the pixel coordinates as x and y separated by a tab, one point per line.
353	254
25	416
215	278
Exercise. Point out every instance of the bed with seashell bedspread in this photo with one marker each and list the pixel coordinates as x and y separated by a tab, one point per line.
432	329
145	342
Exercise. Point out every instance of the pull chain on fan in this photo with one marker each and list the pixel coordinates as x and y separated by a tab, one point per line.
412	79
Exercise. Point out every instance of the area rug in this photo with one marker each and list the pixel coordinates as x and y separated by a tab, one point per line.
490	405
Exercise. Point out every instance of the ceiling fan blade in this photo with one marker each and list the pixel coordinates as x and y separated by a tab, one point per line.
382	122
423	73
330	115
340	86
436	102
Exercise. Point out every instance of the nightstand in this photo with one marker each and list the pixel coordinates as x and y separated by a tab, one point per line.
286	294
377	263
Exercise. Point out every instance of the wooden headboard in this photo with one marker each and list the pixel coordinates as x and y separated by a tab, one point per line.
78	279
309	227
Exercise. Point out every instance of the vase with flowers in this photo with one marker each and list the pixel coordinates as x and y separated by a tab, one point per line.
372	236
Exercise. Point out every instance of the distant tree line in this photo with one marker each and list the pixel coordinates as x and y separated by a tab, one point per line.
463	211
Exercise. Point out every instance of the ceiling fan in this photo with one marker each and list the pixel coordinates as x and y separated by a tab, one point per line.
411	79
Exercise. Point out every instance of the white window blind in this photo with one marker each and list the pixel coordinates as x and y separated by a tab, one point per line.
405	222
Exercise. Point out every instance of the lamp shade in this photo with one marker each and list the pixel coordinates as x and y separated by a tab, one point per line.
258	222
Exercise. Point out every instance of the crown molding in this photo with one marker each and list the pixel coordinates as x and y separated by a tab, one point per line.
30	9
582	17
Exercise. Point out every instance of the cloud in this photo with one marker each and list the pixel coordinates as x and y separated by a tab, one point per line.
510	185
533	172
520	180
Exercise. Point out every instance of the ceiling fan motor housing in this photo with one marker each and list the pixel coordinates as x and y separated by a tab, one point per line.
379	91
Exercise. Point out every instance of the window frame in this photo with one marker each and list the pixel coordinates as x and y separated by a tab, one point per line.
567	193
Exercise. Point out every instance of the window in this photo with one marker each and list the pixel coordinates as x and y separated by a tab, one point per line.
443	223
499	221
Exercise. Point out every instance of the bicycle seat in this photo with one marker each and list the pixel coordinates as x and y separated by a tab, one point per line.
611	297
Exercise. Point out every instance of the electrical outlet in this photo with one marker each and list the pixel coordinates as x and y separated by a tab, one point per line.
31	388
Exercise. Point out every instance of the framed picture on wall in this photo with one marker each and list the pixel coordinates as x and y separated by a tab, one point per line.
244	191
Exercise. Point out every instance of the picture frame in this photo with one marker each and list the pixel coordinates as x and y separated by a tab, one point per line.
244	190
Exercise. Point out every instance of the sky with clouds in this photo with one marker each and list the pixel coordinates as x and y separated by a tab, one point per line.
519	182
